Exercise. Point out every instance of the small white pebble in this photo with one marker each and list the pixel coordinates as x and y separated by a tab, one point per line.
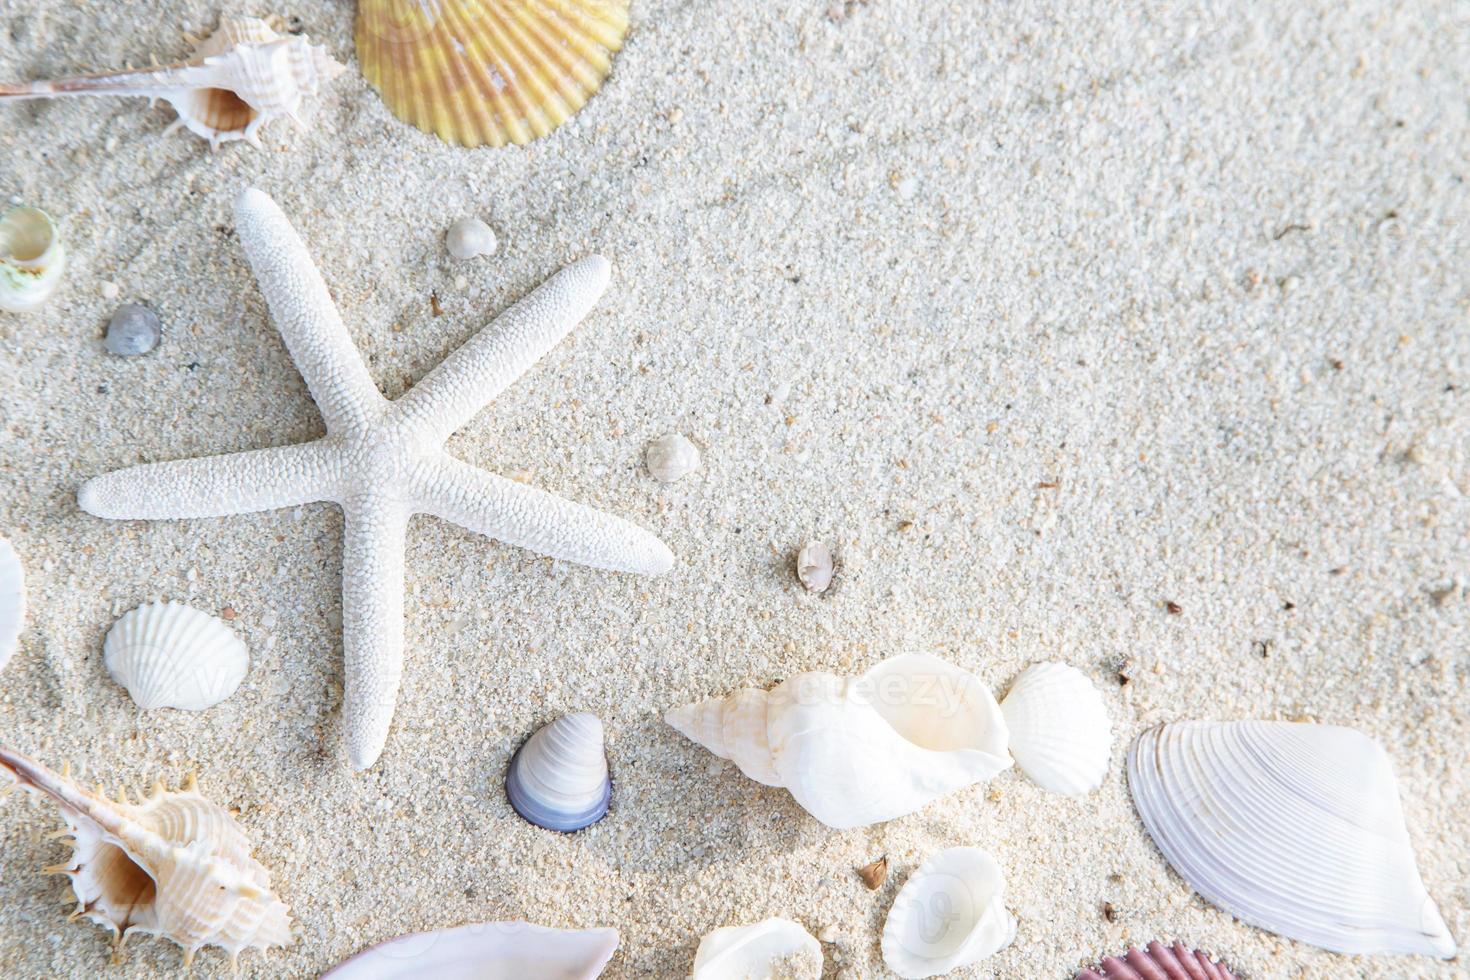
829	934
907	188
670	457
461	284
109	289
469	238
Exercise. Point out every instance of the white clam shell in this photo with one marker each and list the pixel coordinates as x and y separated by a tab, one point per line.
32	259
1059	728
1295	828
559	779
860	750
950	913
485	951
671	457
776	949
469	238
169	655
12	601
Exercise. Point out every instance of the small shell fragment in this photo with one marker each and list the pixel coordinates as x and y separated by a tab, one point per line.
12	600
671	457
32	259
778	949
874	873
134	329
814	566
470	238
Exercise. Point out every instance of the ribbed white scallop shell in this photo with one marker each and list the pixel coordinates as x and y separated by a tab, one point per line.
12	600
776	949
1059	728
950	913
1295	828
169	655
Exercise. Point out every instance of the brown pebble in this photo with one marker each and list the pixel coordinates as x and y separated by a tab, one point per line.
874	874
905	525
1174	608
228	612
1109	912
434	304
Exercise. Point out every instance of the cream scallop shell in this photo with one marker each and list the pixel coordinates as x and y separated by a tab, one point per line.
1295	828
1059	728
12	600
950	913
169	655
776	949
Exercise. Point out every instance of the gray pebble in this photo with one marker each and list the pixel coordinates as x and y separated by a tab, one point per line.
133	330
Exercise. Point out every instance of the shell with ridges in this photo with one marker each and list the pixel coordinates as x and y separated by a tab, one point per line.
1160	962
170	655
775	948
1059	728
238	79
859	750
173	865
950	913
485	951
558	779
32	259
1294	828
473	72
12	600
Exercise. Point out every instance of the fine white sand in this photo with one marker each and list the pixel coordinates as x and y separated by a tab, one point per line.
896	271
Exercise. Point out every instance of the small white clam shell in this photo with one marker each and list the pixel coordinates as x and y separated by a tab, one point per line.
559	778
950	913
776	949
470	238
671	457
1059	728
12	600
485	951
169	655
32	259
1294	828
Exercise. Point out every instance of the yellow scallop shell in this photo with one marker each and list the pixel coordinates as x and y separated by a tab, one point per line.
488	71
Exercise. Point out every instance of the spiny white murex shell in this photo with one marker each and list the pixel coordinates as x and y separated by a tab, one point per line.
173	865
1295	828
776	949
559	779
169	655
12	600
950	913
858	751
485	951
32	259
1059	728
239	78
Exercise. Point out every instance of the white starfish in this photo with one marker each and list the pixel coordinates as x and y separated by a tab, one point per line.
384	461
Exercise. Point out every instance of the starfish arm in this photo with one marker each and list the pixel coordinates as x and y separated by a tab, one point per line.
214	486
462	384
372	622
305	314
536	520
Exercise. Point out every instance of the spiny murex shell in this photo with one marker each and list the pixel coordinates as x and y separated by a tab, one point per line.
239	78
950	913
558	779
1159	962
1295	828
473	72
776	949
12	600
1059	728
31	259
169	655
858	751
485	951
174	865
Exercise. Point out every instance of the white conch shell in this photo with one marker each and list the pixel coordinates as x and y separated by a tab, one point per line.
12	601
1295	828
239	78
174	865
559	779
950	913
1059	728
858	751
485	951
31	259
776	949
169	655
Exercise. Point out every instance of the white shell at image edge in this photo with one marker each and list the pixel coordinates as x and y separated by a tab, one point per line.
776	949
485	951
950	913
1059	728
12	600
1294	828
169	655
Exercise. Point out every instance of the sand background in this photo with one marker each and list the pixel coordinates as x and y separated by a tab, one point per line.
1202	265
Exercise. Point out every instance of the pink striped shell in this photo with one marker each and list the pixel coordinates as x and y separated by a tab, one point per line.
1159	963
